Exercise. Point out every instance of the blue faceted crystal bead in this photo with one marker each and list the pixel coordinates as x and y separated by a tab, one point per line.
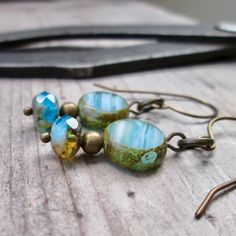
45	111
66	136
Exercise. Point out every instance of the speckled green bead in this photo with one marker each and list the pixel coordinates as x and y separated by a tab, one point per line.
98	109
135	144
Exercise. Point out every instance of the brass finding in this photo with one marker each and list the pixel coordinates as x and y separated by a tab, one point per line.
69	108
200	211
45	137
92	142
204	142
232	183
159	103
143	107
185	143
212	122
28	111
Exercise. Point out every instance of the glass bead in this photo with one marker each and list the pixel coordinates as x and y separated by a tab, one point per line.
66	136
45	111
98	109
135	144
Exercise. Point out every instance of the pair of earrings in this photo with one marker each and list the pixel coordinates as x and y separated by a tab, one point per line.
133	144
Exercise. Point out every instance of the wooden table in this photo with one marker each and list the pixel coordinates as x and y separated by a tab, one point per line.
43	196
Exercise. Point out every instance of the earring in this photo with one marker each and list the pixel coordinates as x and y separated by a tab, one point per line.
99	109
104	109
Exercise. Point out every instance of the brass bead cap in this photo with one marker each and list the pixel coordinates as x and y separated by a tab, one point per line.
28	111
69	108
92	142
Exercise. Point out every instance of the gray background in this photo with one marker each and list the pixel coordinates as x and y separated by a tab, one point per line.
209	11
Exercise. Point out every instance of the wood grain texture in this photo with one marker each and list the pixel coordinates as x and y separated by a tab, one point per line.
43	196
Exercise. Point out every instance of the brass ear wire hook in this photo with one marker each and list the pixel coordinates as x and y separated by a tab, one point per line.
212	122
202	208
200	211
159	103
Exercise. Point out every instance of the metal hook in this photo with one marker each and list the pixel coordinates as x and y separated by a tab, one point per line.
210	127
200	211
173	148
197	100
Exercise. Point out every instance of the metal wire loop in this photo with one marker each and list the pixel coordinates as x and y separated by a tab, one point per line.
190	143
142	107
172	147
201	142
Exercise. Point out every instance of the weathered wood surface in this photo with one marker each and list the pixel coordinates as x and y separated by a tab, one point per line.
41	196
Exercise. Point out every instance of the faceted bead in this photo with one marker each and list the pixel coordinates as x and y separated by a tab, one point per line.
66	136
135	144
98	109
45	111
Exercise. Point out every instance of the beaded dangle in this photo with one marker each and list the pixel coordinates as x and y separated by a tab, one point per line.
132	144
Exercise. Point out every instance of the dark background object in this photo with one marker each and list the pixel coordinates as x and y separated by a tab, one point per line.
175	45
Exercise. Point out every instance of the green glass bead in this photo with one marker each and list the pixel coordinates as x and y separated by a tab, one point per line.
98	109
135	144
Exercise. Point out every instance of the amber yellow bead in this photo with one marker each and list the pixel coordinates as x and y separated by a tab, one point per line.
92	142
66	137
69	108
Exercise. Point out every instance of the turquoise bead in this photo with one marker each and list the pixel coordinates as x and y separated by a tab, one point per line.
45	111
135	144
66	136
99	109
